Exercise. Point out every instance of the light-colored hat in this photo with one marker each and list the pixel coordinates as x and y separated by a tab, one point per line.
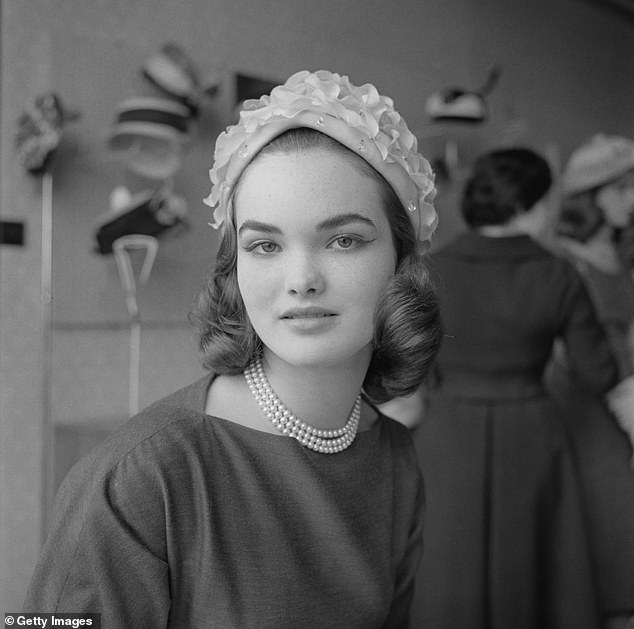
158	118
151	135
357	117
173	72
456	105
601	160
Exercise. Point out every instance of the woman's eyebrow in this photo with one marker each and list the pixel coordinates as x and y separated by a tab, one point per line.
330	223
343	219
259	226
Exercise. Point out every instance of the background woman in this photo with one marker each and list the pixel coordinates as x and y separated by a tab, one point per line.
219	505
594	228
505	543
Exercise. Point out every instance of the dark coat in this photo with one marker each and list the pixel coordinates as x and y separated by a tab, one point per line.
602	450
505	539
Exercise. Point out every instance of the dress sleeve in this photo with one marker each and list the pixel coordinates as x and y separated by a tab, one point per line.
105	552
588	348
405	579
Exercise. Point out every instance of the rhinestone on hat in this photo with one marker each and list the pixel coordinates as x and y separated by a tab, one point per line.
319	440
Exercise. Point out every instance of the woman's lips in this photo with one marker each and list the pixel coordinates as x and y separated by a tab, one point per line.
309	320
308	313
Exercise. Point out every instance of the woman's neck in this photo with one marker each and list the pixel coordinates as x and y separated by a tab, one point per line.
599	251
500	231
322	396
528	223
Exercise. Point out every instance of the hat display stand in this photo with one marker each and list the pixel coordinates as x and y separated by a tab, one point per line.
150	136
455	113
40	130
123	249
452	150
130	229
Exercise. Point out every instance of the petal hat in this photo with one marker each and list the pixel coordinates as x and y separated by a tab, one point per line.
358	117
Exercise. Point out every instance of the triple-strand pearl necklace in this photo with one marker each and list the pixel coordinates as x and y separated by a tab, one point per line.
324	441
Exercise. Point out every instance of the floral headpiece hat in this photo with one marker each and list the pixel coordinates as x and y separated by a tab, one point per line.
357	117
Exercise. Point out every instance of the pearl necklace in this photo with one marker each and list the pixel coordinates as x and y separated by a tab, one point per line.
323	441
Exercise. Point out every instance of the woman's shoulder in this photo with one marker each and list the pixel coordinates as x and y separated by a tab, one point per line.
405	463
117	495
177	412
398	437
154	436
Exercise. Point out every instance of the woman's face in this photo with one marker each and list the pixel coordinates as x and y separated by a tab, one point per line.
315	253
617	200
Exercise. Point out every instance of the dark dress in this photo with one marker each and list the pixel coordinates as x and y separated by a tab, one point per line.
189	521
603	452
505	540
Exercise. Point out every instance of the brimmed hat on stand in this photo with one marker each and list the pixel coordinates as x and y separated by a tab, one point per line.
148	213
597	162
151	135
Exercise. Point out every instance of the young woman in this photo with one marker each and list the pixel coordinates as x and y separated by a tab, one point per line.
272	493
505	543
596	216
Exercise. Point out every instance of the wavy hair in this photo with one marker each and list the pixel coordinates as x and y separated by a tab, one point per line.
408	327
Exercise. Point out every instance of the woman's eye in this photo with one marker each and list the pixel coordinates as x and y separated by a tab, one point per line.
265	247
346	242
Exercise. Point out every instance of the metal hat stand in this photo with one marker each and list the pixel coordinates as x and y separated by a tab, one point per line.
122	249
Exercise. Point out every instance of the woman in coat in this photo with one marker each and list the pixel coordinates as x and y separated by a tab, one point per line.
505	537
594	226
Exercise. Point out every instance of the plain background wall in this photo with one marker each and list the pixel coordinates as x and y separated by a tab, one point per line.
567	72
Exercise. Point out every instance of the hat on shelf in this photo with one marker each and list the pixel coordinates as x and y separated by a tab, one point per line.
151	135
456	104
148	213
172	71
601	160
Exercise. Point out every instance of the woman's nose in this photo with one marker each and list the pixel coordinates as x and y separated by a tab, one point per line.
304	275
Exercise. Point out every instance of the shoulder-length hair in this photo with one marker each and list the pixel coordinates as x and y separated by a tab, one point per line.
504	183
407	322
